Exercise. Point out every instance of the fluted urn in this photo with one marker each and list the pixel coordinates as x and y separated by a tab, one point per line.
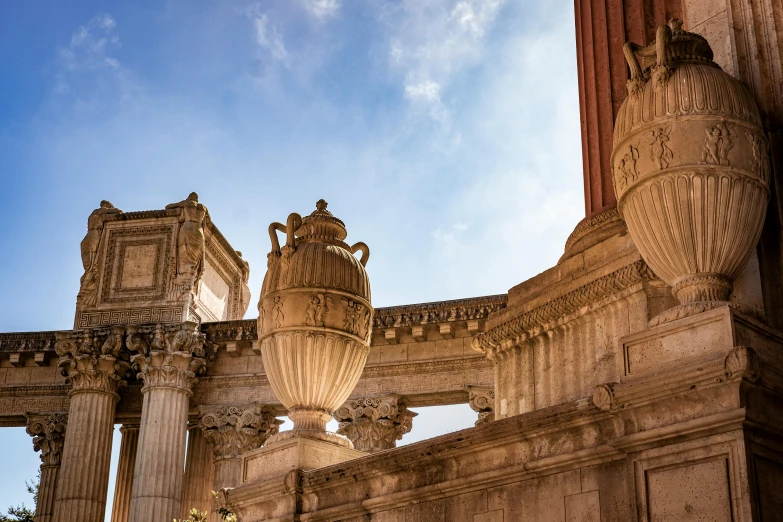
314	320
690	167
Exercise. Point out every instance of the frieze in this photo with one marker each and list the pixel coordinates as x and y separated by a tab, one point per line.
27	342
439	312
133	316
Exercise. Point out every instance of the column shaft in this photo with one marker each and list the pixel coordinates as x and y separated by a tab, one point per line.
199	474
83	480
158	476
124	481
44	509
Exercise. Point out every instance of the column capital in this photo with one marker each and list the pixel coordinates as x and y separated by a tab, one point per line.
93	359
233	430
375	423
48	433
167	356
482	400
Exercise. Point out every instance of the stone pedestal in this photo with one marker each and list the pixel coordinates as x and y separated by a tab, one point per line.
375	423
90	361
48	432
168	361
199	473
124	483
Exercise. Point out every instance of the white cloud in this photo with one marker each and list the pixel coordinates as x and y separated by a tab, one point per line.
267	35
322	9
90	45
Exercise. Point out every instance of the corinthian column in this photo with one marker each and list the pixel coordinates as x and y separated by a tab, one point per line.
374	423
124	481
233	430
168	359
48	432
199	473
94	366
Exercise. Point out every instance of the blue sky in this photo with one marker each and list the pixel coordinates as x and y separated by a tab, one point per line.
444	133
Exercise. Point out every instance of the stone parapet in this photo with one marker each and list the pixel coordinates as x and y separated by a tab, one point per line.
664	433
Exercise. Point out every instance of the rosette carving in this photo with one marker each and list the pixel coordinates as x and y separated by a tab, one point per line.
233	430
170	356
374	423
48	433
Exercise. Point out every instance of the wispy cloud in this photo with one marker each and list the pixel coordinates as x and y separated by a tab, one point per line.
322	9
430	42
91	53
268	36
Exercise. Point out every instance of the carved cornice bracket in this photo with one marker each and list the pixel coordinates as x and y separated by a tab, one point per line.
48	433
375	423
482	400
233	430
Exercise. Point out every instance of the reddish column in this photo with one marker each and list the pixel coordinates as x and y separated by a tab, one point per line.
602	27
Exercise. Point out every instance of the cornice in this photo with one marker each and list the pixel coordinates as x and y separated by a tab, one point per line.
439	312
595	290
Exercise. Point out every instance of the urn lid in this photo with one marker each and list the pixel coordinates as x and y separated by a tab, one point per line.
321	225
685	46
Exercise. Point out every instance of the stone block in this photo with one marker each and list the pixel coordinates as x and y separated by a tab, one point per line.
583	507
277	459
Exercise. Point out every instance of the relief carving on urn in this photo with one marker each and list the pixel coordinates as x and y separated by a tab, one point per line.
314	320
695	196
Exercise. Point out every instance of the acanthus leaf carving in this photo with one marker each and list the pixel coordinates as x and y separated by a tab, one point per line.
742	362
482	400
233	430
374	423
48	432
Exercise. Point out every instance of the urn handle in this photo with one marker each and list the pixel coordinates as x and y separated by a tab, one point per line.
659	48
365	252
289	229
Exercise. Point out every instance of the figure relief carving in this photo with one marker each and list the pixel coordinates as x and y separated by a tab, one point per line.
279	314
661	153
760	161
717	144
48	433
628	170
357	319
191	251
316	309
88	291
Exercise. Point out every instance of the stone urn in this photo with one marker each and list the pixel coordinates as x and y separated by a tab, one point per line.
690	168
314	320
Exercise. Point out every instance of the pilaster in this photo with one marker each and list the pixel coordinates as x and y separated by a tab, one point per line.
124	482
167	358
374	423
48	432
94	362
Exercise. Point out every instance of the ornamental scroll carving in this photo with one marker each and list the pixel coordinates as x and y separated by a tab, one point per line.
168	355
374	423
233	430
88	291
93	359
48	433
446	311
482	400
